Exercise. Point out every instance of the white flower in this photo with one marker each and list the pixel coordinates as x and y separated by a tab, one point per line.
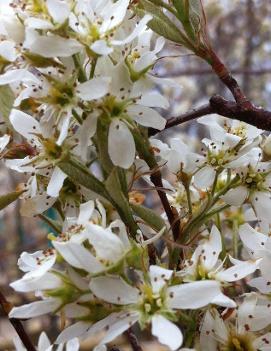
242	333
255	187
44	344
205	263
259	247
124	104
153	302
109	248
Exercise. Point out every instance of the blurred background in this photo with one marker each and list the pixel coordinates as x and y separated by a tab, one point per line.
241	35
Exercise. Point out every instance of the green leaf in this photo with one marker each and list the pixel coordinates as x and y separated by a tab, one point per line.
78	173
149	216
6	101
114	188
161	24
7	199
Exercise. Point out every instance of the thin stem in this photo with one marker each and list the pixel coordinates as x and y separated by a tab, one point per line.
133	340
188	196
93	66
17	324
81	73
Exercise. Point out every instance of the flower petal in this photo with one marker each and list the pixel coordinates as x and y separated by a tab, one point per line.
106	244
56	182
204	177
146	116
93	89
159	276
166	332
78	256
24	124
34	309
59	10
121	145
193	295
114	290
236	196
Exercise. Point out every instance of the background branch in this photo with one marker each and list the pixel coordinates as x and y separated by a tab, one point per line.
16	323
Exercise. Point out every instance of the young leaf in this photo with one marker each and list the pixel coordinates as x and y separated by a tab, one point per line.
7	199
114	188
149	216
161	24
6	101
80	174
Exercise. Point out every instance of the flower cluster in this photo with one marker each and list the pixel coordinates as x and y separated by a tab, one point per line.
84	95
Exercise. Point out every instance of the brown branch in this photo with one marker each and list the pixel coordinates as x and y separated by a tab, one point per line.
156	178
206	71
251	114
16	323
133	340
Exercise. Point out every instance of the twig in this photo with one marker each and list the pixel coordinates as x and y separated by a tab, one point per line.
16	323
253	115
156	179
133	340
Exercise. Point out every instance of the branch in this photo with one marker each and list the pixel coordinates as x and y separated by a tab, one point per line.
133	340
156	179
17	324
251	114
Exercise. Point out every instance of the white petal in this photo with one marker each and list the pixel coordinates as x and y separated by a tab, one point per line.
45	282
121	145
212	248
154	99
44	343
223	300
17	75
114	290
121	324
159	276
85	212
138	29
166	332
207	339
236	196
193	295
34	309
101	47
75	330
262	202
4	140
263	285
204	177
93	89
56	182
38	23
64	128
252	239
106	244
24	124
59	10
78	256
237	272
73	345
263	342
146	116
37	205
7	50
52	46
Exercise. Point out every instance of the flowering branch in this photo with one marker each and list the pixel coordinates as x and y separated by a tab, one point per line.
16	323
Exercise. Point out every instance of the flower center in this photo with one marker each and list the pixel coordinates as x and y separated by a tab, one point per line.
240	343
